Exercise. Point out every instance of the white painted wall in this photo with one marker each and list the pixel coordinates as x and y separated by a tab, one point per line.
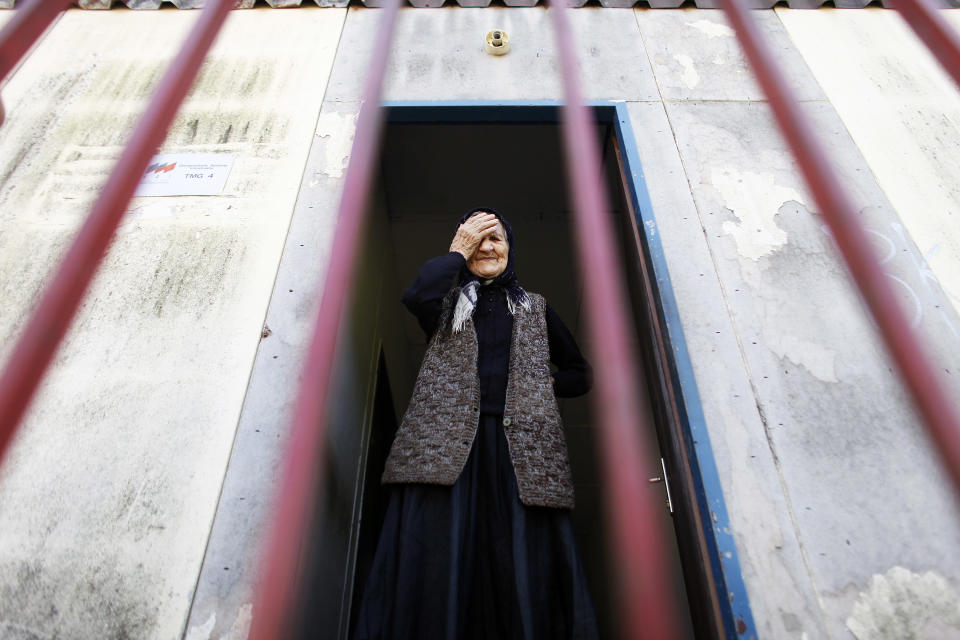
108	494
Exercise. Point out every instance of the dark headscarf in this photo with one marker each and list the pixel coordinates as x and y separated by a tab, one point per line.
508	279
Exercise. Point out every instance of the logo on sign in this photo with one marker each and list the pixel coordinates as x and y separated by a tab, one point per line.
159	167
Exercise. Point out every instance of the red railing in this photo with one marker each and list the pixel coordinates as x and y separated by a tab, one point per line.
304	460
24	28
942	40
645	609
643	576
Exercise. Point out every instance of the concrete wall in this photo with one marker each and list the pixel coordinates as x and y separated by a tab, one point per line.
109	492
805	417
845	524
903	111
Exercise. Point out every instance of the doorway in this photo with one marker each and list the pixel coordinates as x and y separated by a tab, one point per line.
438	161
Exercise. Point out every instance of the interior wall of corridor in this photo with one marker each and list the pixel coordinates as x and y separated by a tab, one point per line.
132	500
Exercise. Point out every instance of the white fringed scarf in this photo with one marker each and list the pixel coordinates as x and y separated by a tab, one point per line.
467	302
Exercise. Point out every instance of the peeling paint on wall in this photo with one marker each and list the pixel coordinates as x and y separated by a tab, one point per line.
754	199
239	630
712	29
202	632
690	76
902	604
338	128
241	625
815	358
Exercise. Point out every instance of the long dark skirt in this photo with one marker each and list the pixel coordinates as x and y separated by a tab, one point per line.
471	561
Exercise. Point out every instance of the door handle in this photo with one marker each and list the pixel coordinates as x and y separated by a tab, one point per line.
666	484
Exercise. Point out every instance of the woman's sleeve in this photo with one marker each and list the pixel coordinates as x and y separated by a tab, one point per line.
573	376
424	298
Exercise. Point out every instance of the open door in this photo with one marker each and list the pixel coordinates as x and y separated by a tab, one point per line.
436	163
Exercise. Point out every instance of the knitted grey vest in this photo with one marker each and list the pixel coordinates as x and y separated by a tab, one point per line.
438	429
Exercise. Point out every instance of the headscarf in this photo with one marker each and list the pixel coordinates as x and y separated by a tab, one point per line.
470	282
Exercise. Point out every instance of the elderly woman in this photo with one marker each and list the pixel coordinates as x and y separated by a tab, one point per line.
477	540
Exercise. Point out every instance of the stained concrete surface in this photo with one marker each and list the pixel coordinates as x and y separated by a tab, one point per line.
836	418
750	304
109	491
770	553
903	112
695	58
806	419
695	55
439	55
224	599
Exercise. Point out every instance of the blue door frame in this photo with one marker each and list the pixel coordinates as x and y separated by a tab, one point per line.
728	580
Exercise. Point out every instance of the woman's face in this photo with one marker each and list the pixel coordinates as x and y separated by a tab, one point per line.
490	258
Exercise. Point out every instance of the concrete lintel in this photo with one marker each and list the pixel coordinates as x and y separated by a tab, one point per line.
441	55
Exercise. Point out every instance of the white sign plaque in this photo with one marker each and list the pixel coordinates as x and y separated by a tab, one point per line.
186	174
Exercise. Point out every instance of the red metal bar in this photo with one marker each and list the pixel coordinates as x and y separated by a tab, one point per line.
302	469
935	32
52	316
915	366
644	580
26	25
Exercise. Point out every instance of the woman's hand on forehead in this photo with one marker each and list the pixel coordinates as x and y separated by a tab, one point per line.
482	223
472	232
